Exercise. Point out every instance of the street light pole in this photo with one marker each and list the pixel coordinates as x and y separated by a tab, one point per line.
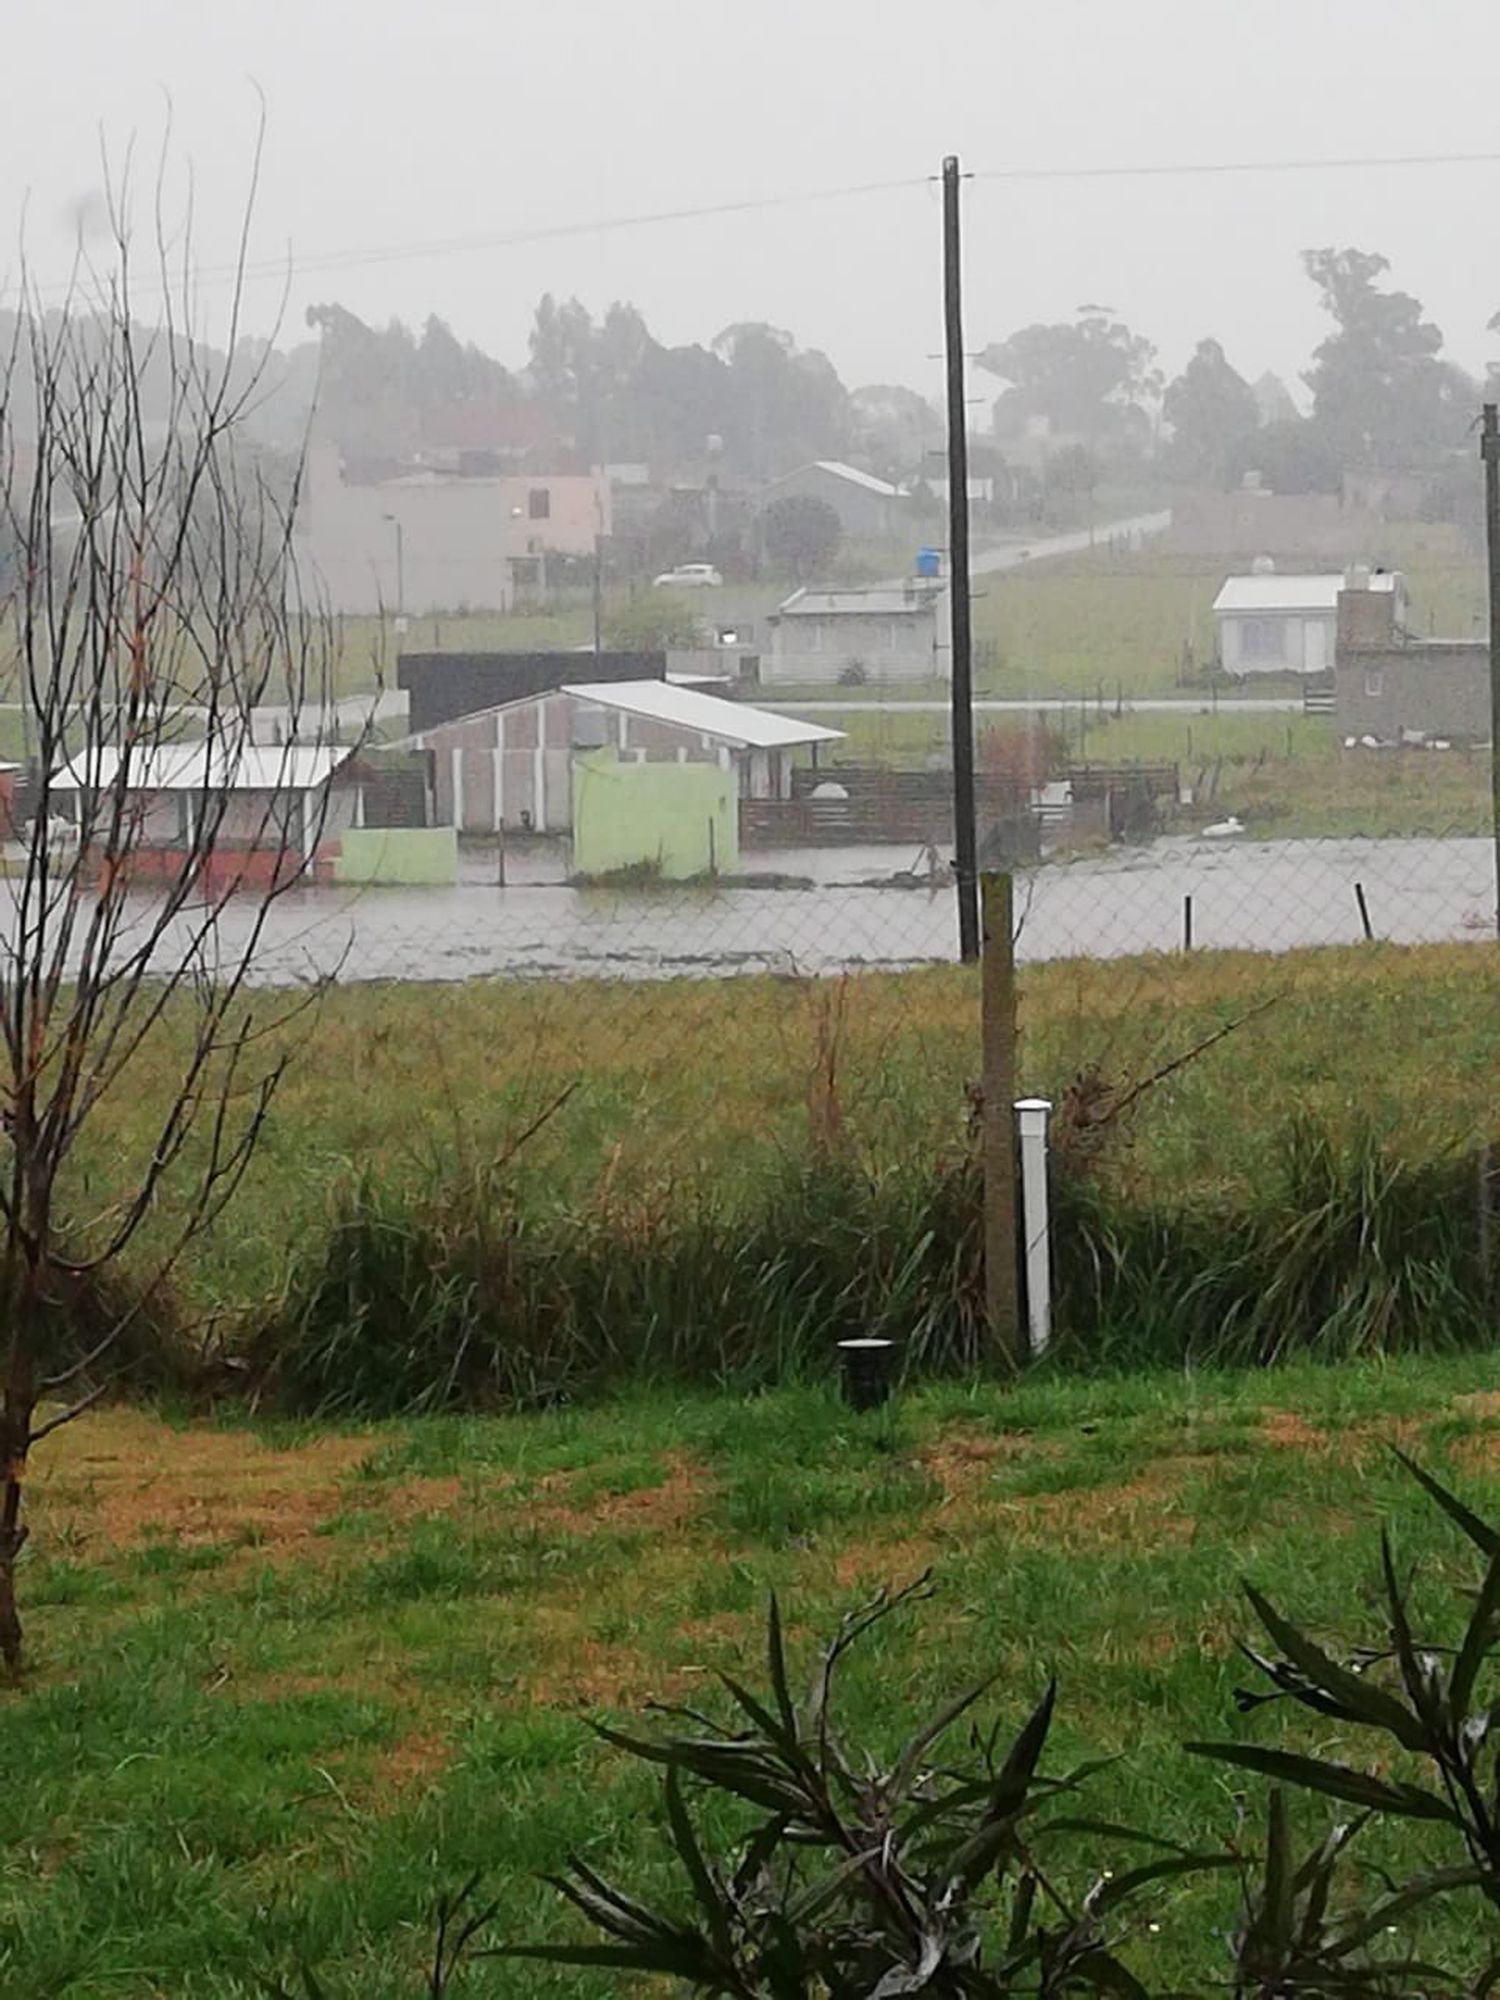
965	860
400	564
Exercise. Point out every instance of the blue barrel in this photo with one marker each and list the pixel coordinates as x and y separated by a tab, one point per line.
929	562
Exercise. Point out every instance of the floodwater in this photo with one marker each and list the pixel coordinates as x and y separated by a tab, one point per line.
1261	896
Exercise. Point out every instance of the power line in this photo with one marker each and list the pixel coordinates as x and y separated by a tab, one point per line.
392	253
333	261
1206	168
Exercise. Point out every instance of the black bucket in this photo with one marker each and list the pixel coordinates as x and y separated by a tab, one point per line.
869	1372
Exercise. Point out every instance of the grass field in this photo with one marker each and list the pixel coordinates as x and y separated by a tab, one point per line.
1094	625
1288	776
290	1685
688	1091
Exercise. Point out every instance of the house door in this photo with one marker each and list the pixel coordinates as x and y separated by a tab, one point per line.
1315	646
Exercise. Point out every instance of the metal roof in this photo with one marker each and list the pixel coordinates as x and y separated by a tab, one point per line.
731	722
857	478
880	601
1275	592
198	767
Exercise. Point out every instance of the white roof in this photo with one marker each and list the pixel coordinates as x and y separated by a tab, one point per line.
197	767
1275	592
881	601
857	478
732	722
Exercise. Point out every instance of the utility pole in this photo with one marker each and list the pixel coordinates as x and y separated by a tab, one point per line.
1490	451
965	860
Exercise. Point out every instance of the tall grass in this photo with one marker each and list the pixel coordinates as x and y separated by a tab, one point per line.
466	1298
1347	1249
469	1296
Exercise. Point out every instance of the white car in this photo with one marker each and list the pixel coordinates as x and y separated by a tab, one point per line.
688	576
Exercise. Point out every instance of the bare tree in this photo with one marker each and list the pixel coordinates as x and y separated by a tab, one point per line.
155	606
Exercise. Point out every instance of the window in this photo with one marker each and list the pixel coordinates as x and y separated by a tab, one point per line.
1374	681
539	504
1262	639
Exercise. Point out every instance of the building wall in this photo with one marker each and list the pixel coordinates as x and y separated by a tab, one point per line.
680	818
513	766
577	511
816	650
864	516
413	856
1306	642
460	538
263	821
1433	687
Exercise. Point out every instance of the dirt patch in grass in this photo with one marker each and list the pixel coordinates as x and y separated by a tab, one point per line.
122	1477
896	1563
674	1503
574	1668
963	1459
415	1759
1290	1432
1145	1510
424	1499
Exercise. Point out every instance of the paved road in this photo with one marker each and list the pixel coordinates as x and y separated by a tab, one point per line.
1056	705
1017	552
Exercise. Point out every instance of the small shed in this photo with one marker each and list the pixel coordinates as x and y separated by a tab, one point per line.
512	766
889	632
280	805
1274	623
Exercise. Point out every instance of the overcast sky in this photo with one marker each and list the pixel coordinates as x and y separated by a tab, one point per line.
395	126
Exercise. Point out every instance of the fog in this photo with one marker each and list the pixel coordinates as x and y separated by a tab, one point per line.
394	127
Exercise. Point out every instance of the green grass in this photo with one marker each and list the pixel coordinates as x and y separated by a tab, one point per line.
705	1208
1288	776
691	1092
1096	624
382	1681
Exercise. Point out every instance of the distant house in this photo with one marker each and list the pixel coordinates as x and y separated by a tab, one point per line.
981	490
1275	623
433	539
1392	688
869	509
440	687
513	767
283	806
887	633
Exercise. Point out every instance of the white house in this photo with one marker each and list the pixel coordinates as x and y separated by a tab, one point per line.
272	806
1275	623
887	633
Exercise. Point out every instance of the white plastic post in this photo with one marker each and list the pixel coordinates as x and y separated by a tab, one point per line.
1032	1114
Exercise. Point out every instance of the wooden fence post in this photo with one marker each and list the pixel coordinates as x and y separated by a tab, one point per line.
998	1034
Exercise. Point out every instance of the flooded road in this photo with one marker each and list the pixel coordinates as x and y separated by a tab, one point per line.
1270	896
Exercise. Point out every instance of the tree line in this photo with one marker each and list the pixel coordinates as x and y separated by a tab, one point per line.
752	403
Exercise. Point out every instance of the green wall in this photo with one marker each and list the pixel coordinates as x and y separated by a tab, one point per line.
398	855
628	814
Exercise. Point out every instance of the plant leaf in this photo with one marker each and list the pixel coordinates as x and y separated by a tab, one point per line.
1479	1643
1337	1781
1485	1538
705	1889
776	1659
909	1762
1361	1701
